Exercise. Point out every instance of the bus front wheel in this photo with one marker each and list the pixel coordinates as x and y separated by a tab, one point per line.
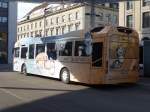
24	69
65	76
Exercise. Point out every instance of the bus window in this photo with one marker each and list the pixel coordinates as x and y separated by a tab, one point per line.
40	48
80	48
67	51
31	51
23	52
97	54
51	51
16	52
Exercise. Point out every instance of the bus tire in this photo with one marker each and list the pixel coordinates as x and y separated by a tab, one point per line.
24	69
65	76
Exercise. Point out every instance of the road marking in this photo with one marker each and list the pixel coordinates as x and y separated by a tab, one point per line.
12	94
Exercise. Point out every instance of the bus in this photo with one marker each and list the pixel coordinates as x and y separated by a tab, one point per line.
104	55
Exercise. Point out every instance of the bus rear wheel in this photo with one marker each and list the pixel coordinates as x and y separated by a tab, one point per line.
24	69
65	76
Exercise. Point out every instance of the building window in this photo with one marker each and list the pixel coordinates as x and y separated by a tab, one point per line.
77	26
63	29
129	5
130	21
24	28
4	19
57	31
27	34
146	19
146	2
4	4
69	28
3	47
63	18
77	15
69	17
18	37
52	30
46	22
57	20
40	24
31	25
51	21
36	33
35	25
46	33
31	34
40	33
27	27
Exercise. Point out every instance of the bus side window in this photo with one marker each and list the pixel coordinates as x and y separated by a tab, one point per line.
51	51
67	51
31	51
40	48
16	52
23	52
80	48
97	54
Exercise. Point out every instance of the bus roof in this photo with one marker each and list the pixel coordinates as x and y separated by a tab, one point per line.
38	40
41	40
74	35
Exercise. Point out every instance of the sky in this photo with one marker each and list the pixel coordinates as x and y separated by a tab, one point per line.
24	8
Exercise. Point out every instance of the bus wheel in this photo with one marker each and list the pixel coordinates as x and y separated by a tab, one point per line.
65	76
24	69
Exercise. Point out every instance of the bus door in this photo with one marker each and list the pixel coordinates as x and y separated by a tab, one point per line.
51	59
31	68
97	62
16	64
121	57
40	58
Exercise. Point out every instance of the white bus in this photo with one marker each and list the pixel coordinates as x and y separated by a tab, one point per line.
107	55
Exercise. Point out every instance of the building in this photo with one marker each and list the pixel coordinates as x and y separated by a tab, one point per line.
8	33
136	14
48	20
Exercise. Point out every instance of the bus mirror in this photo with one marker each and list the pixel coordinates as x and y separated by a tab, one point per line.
88	43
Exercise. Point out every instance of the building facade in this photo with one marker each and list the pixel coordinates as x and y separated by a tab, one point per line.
46	20
8	33
136	14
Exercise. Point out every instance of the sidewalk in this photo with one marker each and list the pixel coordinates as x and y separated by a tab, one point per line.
5	67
